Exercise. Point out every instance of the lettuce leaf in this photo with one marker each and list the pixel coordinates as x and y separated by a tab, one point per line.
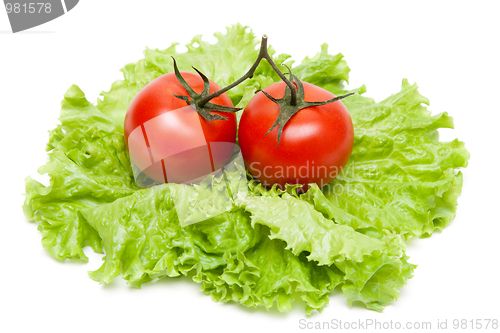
88	166
374	268
269	274
324	70
305	229
233	260
143	239
272	246
400	177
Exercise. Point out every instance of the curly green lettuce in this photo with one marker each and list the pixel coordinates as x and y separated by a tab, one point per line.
400	177
272	246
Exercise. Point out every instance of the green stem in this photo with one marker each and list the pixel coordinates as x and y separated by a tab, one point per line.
263	54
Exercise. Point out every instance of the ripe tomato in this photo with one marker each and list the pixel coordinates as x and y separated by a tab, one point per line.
315	144
168	140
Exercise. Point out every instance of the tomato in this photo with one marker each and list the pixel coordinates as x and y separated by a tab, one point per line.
168	140
315	144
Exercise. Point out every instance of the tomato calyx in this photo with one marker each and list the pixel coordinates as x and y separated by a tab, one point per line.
288	107
194	98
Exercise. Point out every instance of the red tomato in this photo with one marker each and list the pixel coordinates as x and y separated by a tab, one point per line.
315	144
168	140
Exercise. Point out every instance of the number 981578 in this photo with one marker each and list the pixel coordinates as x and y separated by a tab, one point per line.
28	8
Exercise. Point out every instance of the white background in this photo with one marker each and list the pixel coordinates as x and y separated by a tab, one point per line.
449	48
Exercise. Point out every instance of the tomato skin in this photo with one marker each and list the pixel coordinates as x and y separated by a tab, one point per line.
315	144
156	99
